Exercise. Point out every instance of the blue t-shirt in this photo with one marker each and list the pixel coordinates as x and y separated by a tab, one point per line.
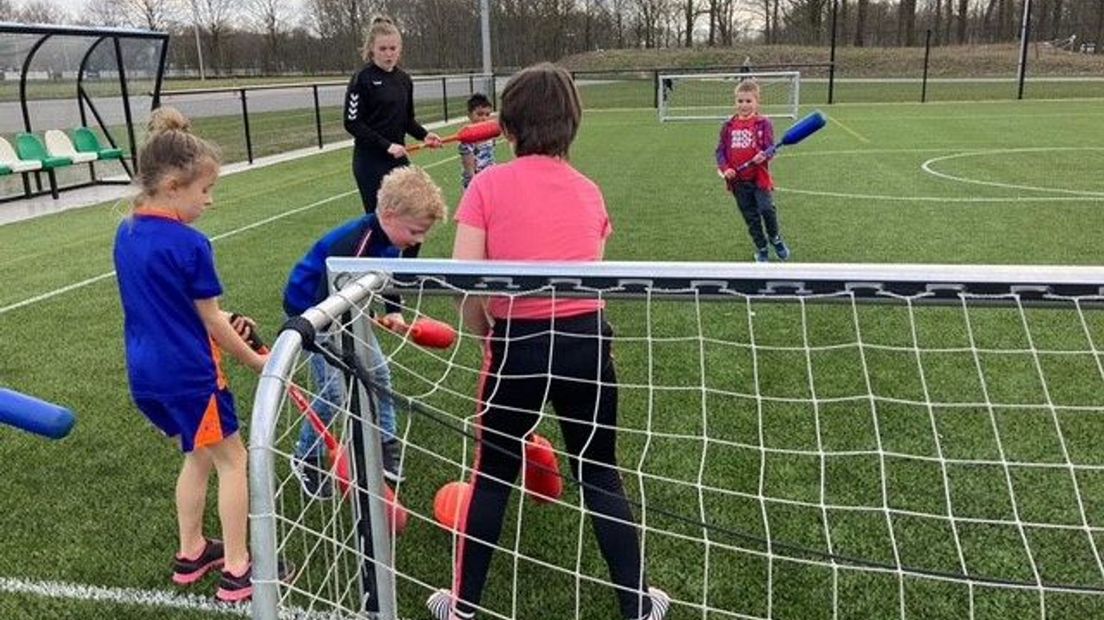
163	266
362	236
484	154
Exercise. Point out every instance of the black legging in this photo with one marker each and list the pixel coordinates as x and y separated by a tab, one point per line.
369	168
514	391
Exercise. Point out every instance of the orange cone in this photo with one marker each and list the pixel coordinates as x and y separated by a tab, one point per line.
397	515
450	505
542	470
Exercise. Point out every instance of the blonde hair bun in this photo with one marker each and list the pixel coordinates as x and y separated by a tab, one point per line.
167	119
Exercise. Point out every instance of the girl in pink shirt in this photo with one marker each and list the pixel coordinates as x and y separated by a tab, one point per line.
539	208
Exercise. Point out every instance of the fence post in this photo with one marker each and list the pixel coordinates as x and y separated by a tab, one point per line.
245	122
832	57
317	115
927	56
444	96
655	88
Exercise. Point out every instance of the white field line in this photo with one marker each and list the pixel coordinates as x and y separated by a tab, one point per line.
268	220
134	597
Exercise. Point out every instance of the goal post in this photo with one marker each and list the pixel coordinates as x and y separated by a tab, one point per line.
710	96
805	440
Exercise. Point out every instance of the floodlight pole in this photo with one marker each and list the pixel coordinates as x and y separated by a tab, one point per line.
1025	31
485	31
199	47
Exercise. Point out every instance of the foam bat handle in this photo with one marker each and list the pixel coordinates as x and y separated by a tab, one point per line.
35	416
468	134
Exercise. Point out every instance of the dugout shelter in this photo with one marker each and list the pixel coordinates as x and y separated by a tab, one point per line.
75	101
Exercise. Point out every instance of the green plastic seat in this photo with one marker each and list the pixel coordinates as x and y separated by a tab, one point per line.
30	147
86	142
4	170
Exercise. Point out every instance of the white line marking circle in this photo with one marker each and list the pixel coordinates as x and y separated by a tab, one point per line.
927	167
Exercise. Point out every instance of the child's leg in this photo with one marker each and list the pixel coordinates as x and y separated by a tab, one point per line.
329	382
765	206
745	199
191	498
585	399
380	375
512	404
229	458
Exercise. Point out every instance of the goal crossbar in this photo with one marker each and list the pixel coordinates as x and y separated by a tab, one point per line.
930	283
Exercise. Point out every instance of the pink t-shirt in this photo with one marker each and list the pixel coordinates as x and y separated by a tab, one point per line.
537	208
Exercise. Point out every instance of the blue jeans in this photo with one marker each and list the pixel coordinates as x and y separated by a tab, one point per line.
329	386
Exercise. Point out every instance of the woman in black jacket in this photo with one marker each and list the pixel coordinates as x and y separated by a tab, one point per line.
379	111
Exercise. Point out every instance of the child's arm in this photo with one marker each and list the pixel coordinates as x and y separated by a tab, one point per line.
721	154
224	335
467	160
470	244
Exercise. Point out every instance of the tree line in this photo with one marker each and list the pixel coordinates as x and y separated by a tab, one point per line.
324	36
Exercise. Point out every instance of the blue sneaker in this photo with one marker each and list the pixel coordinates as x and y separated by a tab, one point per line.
780	248
761	255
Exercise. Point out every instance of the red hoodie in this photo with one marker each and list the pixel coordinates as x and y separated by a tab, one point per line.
740	140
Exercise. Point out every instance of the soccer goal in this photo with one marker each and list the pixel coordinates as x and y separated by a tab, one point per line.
800	441
710	96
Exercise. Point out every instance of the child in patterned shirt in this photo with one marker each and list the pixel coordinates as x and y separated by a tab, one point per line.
476	157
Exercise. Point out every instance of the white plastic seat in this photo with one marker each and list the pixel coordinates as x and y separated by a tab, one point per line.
11	160
59	145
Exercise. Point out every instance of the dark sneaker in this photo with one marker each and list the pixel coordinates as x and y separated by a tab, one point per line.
392	461
780	248
236	588
187	572
313	477
761	255
440	607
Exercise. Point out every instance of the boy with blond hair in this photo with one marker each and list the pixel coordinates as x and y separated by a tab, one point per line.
743	162
410	203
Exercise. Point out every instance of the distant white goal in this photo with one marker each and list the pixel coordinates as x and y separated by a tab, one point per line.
709	96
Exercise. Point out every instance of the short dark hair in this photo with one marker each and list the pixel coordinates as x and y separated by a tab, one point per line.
478	100
541	110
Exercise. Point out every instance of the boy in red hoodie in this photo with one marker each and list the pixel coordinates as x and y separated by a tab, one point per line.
742	161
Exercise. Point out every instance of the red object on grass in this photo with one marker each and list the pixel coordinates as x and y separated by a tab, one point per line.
542	470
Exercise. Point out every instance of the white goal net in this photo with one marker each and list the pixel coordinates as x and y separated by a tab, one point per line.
803	441
710	96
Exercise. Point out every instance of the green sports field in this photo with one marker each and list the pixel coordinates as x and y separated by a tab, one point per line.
91	517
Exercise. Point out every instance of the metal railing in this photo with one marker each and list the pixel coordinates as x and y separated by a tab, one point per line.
271	118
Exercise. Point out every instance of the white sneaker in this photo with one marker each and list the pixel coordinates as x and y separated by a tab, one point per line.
661	603
440	605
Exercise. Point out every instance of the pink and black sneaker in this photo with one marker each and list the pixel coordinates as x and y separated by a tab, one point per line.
188	571
236	588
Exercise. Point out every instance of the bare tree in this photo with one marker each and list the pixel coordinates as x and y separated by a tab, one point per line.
7	13
104	13
961	21
270	17
1099	26
41	12
152	14
860	22
215	17
906	23
691	10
